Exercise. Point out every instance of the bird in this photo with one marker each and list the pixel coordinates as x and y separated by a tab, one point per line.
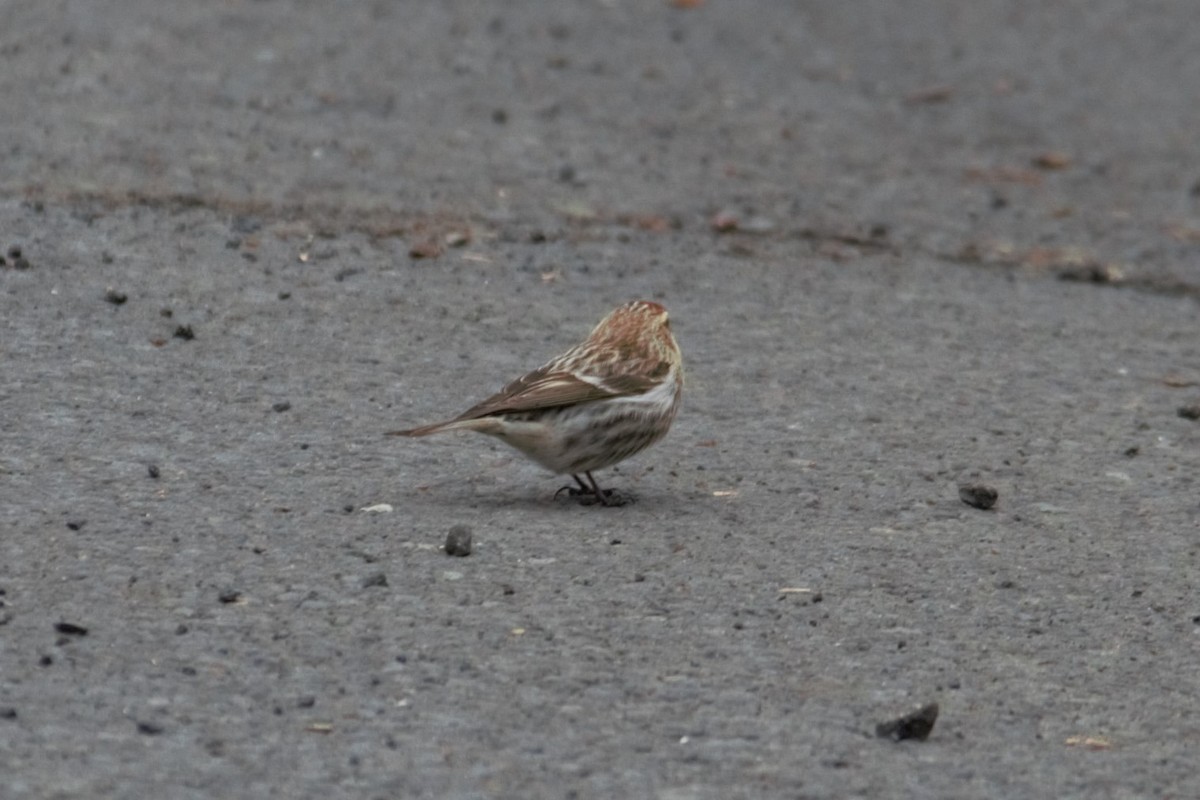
607	398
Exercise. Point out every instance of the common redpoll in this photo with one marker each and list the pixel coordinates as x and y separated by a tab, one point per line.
607	398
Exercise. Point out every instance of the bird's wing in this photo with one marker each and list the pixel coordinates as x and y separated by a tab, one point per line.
550	388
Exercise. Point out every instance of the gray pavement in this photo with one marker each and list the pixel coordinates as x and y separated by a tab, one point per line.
905	247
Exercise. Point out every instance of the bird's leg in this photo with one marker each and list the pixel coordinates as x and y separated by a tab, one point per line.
609	497
592	494
571	491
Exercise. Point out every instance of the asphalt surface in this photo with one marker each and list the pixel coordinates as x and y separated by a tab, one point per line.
906	248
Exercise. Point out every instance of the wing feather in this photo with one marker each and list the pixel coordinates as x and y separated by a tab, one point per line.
550	388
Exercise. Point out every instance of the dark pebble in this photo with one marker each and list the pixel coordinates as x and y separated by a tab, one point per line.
229	596
152	470
76	524
375	579
1190	412
149	728
70	629
458	541
185	332
281	407
1088	273
8	713
18	261
115	297
917	725
978	495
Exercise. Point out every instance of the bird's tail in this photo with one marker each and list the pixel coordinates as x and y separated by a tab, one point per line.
447	425
424	430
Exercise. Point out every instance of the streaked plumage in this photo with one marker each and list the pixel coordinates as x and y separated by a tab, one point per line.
609	397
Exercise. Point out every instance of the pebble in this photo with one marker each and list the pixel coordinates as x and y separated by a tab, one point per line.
917	725
978	495
458	541
375	579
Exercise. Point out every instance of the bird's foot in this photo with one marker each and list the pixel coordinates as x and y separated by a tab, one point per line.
592	495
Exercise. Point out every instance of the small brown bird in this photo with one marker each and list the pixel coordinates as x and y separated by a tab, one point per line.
609	397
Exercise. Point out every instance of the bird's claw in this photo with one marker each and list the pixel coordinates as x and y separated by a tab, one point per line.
587	497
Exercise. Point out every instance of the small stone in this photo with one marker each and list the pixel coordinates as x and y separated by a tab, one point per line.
229	596
375	579
458	541
1052	159
70	629
76	524
115	297
1190	411
456	238
917	725
281	406
425	248
149	728
185	332
152	470
978	495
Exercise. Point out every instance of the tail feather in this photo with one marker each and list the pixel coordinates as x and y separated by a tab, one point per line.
484	424
424	430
